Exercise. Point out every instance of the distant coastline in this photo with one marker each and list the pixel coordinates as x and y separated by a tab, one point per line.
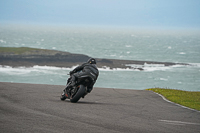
28	57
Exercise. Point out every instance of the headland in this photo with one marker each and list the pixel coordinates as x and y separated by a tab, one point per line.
28	57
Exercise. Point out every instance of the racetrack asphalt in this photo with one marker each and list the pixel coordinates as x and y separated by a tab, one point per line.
38	108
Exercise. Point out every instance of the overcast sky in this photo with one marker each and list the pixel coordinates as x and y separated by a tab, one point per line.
134	13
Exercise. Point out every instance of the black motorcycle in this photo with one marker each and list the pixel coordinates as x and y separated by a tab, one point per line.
77	91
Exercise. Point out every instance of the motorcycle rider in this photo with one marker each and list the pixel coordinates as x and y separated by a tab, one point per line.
87	70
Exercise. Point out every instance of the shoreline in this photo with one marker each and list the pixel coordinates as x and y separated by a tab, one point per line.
28	57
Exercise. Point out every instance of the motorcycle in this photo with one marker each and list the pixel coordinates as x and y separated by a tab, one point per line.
77	91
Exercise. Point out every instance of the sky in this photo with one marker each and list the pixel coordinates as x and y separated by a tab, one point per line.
127	13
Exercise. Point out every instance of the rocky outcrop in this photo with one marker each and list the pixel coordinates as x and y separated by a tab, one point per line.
58	60
64	59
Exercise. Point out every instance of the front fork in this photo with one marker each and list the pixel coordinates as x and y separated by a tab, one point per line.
67	90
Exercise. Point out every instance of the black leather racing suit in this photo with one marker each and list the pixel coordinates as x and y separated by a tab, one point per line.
87	70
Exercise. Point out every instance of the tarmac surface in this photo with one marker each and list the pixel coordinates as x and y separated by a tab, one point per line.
38	108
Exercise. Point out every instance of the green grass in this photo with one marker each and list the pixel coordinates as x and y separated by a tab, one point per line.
185	98
16	50
27	51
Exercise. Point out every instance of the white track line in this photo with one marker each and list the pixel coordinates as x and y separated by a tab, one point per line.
178	122
175	103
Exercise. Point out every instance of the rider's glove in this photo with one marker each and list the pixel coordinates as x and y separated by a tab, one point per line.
71	72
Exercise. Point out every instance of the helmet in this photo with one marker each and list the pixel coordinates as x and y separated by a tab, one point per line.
91	61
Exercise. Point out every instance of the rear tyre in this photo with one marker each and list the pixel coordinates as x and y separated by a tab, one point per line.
80	92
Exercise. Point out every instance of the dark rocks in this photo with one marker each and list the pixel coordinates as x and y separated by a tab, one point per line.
64	59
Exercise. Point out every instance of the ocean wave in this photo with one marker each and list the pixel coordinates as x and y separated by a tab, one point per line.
105	68
16	70
164	79
36	69
130	67
181	53
194	64
128	46
2	41
149	67
159	67
51	68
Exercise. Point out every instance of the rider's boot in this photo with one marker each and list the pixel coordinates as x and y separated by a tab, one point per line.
64	95
67	91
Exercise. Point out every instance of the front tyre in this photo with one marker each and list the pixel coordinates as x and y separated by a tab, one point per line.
80	92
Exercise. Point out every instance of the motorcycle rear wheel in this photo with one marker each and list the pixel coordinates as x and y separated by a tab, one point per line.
80	92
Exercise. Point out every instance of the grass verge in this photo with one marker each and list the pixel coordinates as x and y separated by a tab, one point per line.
16	50
185	98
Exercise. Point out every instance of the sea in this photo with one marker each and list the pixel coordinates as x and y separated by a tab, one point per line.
162	45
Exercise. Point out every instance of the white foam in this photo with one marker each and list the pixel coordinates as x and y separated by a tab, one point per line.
2	41
150	69
181	53
156	67
49	68
133	67
163	79
128	46
105	68
19	70
133	35
26	70
194	64
145	67
176	66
